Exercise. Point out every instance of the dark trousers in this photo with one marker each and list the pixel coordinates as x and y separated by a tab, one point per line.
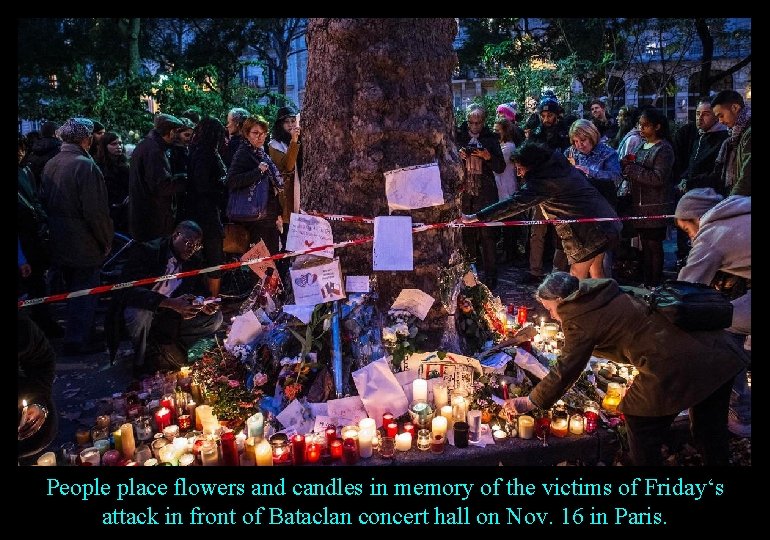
81	310
263	230
708	427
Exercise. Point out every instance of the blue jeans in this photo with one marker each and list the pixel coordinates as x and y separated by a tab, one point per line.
167	326
82	310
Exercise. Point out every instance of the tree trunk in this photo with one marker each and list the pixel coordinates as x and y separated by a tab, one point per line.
378	98
133	47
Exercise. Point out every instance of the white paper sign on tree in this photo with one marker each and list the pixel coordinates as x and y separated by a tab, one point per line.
415	301
257	252
414	187
392	248
318	284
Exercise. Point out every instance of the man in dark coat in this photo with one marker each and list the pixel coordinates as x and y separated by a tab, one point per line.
165	312
43	149
74	195
482	157
677	369
152	184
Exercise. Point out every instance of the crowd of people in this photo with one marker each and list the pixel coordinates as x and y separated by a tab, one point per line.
77	186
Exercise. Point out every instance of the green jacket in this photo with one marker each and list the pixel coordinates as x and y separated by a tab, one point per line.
677	369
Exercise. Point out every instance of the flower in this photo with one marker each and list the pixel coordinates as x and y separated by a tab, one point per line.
401	336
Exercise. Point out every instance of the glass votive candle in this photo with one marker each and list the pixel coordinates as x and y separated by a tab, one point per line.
576	424
142	454
90	456
83	436
391	430
209	454
313	449
335	449
298	449
349	432
446	412
102	445
331	434
387	418
387	447
186	460
461	434
264	454
143	428
526	425
184	422
423	439
437	444
350	451
459	404
255	425
156	445
111	458
47	460
69	453
409	428
281	449
421	413
591	421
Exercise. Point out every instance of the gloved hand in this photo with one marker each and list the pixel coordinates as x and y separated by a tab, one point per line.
520	405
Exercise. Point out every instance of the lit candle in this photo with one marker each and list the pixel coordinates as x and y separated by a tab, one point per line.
367	423
298	449
210	454
313	451
559	427
184	372
446	412
264	454
437	444
459	408
180	446
184	422
156	445
24	409
526	427
47	460
423	439
403	441
335	449
409	428
128	445
576	424
420	390
331	434
229	449
185	460
391	430
162	418
499	435
349	432
439	426
365	436
168	454
202	412
542	322
169	432
440	394
387	418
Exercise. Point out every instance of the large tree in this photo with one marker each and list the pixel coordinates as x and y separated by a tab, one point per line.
378	98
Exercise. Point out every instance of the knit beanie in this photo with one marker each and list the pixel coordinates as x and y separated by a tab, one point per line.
507	110
75	130
696	202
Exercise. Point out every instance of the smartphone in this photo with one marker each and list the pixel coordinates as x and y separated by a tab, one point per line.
211	300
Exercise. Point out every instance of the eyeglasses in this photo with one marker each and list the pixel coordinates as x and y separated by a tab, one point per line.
192	245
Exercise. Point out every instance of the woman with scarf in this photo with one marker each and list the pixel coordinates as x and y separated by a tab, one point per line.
250	167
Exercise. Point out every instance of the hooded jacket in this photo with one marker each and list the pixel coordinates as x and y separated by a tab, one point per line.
677	369
562	192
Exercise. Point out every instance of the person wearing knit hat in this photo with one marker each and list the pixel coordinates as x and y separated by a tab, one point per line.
507	110
76	130
720	233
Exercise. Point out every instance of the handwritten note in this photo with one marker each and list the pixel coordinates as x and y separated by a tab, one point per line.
414	301
303	313
257	252
322	422
307	232
318	284
347	410
357	284
296	416
393	243
414	187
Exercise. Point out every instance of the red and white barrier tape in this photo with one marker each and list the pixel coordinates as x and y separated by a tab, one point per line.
333	217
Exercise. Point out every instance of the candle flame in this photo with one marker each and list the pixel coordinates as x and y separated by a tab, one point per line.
23	402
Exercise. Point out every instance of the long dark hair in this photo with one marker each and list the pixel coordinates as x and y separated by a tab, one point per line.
208	134
656	116
103	158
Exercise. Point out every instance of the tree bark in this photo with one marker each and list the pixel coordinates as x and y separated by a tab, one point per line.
378	98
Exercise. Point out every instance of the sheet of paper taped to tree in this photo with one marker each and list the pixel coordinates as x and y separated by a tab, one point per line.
318	284
415	301
258	251
412	187
392	248
357	284
306	232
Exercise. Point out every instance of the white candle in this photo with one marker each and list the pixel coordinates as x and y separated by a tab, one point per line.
420	390
446	412
240	440
459	408
526	427
365	437
440	394
499	435
439	426
576	425
367	424
403	441
538	339
47	460
264	454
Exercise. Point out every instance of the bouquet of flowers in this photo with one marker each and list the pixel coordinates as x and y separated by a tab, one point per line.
401	337
476	318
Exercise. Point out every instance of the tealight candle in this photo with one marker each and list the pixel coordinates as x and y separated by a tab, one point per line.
423	439
264	453
47	460
526	427
499	435
403	441
169	432
576	424
420	390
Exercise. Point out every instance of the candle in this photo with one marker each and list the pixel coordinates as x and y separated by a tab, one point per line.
47	460
461	434
202	412
391	430
190	409
437	444
331	434
185	460
538	339
459	408
420	390
350	451
423	439
116	435
298	449
210	454
82	436
335	449
180	445
264	453
440	394
313	451
162	418
474	425
156	445
367	423
349	432
143	428
559	427
103	421
195	390
409	428
521	315
439	426
184	372
128	445
167	454
102	445
281	449
403	441
387	418
387	447
591	421
229	449
526	427
169	432
184	422
90	456
255	425
446	412
142	454
499	435
365	447
576	424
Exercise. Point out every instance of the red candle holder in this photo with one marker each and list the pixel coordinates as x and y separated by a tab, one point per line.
184	422
391	429
591	421
162	418
350	451
312	452
298	449
331	434
229	449
335	449
409	428
521	315
387	418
